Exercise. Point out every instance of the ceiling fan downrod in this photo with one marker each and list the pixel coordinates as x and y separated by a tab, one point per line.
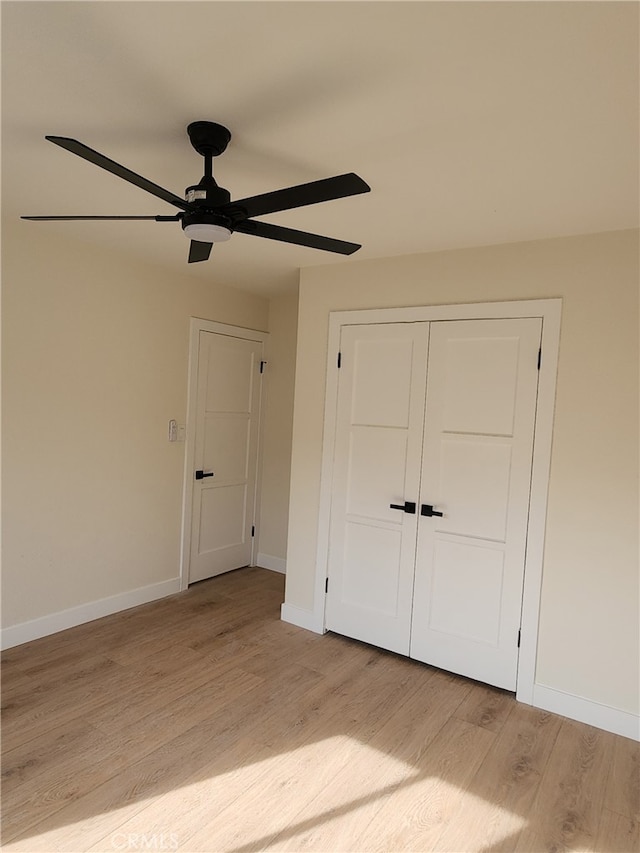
209	140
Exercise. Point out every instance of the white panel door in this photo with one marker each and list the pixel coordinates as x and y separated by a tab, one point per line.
376	463
476	471
226	445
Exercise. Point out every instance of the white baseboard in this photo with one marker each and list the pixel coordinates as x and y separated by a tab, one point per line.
275	564
586	711
15	635
302	618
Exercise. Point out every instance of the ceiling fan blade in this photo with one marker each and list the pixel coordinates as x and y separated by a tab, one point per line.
300	238
199	251
325	190
175	218
97	159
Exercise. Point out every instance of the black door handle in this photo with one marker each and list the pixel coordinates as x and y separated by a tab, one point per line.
200	475
428	510
407	506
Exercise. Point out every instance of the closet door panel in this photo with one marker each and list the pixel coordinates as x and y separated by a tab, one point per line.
476	471
378	446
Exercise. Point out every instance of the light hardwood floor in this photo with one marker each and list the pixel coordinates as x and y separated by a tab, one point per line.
203	723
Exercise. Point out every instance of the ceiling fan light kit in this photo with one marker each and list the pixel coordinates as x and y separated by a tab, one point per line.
207	213
205	231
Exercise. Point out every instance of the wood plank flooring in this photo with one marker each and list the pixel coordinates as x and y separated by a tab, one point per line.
203	723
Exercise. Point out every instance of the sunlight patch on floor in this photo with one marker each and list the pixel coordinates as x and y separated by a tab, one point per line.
334	794
412	815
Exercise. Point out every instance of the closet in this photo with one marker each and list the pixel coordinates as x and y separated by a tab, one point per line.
430	485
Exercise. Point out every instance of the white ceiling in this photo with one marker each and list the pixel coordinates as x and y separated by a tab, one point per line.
474	123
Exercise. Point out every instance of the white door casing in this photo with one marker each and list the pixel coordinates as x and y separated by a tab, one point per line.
549	311
476	469
223	429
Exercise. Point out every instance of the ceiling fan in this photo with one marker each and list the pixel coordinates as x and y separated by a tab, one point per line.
208	215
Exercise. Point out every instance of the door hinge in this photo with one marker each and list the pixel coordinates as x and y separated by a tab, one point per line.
539	357
339	359
326	585
262	364
253	530
519	633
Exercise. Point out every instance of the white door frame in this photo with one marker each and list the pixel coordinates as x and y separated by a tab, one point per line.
549	310
197	325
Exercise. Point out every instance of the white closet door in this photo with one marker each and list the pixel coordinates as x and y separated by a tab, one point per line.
377	463
476	471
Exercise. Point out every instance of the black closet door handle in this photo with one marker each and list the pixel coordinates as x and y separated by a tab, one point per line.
200	475
428	510
407	506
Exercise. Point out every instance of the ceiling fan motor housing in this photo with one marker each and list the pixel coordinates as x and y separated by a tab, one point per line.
207	194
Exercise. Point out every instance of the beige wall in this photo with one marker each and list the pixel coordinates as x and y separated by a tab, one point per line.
94	365
588	638
278	425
